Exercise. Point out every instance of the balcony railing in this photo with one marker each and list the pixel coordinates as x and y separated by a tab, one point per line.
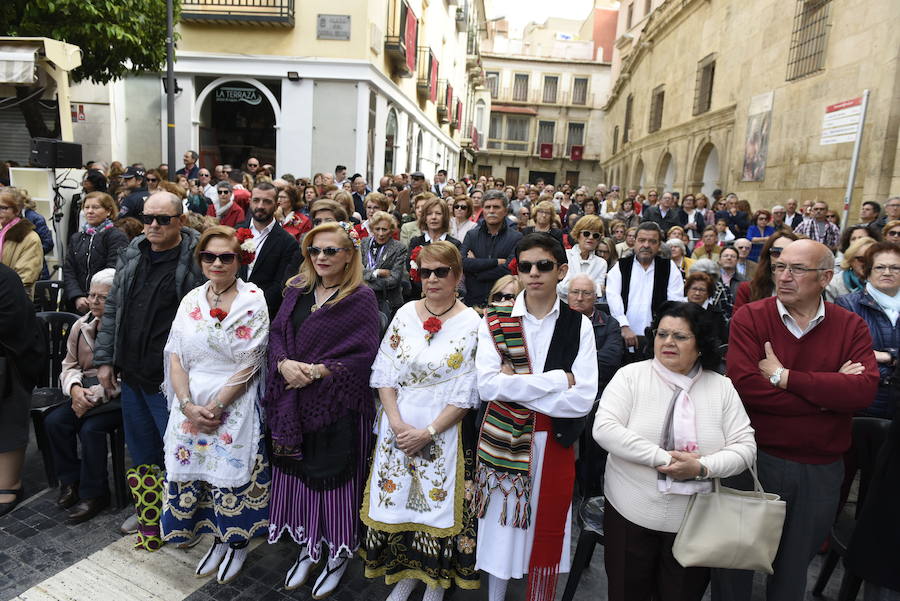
536	96
279	13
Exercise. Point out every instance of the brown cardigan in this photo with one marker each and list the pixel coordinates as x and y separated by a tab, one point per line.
22	252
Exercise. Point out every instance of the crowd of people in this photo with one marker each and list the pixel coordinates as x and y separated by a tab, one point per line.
428	374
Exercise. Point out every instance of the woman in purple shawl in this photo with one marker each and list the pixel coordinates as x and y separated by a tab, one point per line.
319	407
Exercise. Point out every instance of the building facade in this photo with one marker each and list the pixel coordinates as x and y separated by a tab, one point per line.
546	92
744	97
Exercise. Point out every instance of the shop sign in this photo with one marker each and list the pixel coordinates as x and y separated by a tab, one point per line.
234	94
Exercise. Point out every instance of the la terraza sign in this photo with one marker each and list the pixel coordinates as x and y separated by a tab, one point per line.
234	94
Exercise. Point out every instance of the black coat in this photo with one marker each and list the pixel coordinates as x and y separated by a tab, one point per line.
278	260
672	218
87	255
482	271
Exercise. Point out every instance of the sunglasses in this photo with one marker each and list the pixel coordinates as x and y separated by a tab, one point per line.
457	207
440	272
160	219
587	234
210	257
329	251
152	179
223	192
500	297
544	266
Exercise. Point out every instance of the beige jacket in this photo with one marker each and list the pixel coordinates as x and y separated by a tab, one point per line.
23	253
79	361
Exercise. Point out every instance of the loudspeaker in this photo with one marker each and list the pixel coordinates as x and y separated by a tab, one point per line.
48	152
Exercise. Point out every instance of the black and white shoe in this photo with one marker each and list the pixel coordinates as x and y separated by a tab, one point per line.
210	562
232	564
299	572
330	578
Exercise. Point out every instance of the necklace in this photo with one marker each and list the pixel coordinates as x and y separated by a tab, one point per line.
218	294
444	312
318	304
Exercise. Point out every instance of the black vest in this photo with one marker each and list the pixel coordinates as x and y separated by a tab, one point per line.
561	355
662	268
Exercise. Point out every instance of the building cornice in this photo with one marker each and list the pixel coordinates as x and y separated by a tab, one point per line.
542	59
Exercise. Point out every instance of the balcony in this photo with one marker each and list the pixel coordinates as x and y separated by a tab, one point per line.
556	151
462	18
426	82
273	13
443	110
400	42
537	97
472	138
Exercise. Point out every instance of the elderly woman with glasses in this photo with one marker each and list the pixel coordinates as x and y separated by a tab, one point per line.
891	231
853	271
384	262
583	257
659	458
545	220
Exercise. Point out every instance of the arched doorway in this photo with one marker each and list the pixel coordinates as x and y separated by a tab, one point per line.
639	175
665	175
237	118
706	169
390	141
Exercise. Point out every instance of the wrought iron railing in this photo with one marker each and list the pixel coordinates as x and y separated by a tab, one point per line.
260	12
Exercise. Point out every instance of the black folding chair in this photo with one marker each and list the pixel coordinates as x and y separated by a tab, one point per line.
48	295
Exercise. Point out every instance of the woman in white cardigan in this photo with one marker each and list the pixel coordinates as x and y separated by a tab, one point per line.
670	424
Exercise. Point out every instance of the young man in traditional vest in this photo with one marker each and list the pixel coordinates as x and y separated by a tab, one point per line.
638	285
537	370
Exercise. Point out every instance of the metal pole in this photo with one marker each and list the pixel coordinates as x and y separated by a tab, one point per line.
851	180
170	88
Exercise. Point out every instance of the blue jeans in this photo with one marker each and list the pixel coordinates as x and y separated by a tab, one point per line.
145	416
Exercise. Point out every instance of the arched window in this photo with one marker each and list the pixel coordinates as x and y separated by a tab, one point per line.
390	141
480	108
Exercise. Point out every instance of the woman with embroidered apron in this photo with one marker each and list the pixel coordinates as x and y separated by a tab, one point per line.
419	523
217	475
670	424
319	407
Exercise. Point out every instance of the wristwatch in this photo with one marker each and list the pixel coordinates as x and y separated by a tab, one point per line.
704	473
775	378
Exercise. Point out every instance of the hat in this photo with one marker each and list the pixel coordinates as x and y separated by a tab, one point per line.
417	175
132	172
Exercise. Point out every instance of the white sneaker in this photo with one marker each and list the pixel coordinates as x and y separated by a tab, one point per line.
330	577
299	572
129	526
232	564
210	562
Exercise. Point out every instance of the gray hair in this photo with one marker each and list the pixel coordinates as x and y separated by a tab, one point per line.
104	277
707	266
494	195
676	242
224	185
778	208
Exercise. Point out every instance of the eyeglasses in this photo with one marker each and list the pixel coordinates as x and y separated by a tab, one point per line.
701	290
97	297
253	164
581	293
210	257
204	175
892	269
676	336
798	271
594	235
503	296
329	251
440	272
223	192
160	219
894	234
152	179
544	266
458	207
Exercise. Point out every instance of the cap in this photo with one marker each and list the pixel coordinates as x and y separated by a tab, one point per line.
133	171
417	175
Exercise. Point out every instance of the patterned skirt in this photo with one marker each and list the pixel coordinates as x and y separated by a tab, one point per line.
438	561
232	515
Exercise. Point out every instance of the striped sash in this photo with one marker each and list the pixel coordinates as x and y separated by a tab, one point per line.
504	443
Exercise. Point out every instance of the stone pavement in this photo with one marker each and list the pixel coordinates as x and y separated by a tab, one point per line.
42	559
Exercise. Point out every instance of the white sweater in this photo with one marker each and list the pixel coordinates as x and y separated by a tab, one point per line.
629	425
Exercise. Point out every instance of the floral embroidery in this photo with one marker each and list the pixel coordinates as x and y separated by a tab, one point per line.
387	485
455	360
243	332
189	428
187	499
183	455
226	438
437	494
202	443
465	544
195	314
395	341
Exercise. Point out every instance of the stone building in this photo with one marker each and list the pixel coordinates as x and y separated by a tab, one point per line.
547	88
733	95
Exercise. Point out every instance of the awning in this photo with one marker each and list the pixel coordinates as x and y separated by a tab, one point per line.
18	64
515	110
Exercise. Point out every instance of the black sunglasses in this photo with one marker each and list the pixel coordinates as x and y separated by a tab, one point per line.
223	192
544	265
329	251
500	297
440	272
210	257
587	234
152	179
160	219
460	207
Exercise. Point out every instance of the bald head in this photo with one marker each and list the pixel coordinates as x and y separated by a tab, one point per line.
582	293
165	201
812	266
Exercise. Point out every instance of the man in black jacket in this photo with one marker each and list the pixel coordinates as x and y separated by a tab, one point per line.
134	179
277	252
665	214
488	249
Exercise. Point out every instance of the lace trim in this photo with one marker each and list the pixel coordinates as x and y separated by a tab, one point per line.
395	577
231	535
315	552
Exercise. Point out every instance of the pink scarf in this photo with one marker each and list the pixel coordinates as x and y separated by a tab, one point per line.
680	432
5	229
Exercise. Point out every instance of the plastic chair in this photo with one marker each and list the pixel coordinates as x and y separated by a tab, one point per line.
869	433
48	295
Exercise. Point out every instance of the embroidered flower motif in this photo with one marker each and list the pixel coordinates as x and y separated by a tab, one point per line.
432	326
188	428
395	341
470	490
387	485
437	494
465	544
202	443
183	455
243	332
455	360
218	313
195	314
229	501
226	438
187	499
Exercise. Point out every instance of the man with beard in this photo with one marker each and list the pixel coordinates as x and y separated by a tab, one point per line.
277	254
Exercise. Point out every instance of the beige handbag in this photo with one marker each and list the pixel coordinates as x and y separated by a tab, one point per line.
731	528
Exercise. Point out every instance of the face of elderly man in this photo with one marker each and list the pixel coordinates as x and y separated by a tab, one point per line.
802	272
582	294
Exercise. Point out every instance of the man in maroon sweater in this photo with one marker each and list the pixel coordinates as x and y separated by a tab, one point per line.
802	368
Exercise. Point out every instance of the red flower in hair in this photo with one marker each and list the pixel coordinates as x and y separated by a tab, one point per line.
513	267
432	326
218	313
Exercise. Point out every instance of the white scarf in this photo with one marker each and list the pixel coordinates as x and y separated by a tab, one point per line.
889	304
221	209
680	431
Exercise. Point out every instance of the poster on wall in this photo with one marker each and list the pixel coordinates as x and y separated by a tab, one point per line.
756	145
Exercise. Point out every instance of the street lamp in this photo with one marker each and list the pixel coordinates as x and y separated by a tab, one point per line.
170	87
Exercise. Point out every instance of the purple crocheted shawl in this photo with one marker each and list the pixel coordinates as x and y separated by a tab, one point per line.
342	336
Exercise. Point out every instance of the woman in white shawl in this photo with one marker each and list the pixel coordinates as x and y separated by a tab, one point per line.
217	473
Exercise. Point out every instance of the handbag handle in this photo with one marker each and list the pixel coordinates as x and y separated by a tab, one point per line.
757	485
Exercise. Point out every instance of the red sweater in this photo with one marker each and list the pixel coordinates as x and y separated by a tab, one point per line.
810	422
